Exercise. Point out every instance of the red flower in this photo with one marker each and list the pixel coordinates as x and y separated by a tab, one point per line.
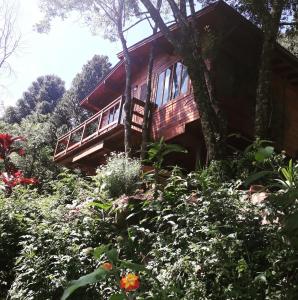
6	140
130	282
17	173
23	180
21	152
11	180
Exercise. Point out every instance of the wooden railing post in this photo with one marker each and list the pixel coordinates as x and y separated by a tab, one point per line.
68	143
99	123
84	128
56	148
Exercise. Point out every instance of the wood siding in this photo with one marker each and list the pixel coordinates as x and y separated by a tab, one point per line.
170	119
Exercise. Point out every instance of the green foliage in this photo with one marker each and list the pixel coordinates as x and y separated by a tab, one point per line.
202	238
120	175
289	176
159	150
40	141
97	275
68	112
257	163
54	248
41	97
100	16
12	227
209	243
116	268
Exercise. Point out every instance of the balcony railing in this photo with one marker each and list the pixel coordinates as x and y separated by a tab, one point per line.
99	125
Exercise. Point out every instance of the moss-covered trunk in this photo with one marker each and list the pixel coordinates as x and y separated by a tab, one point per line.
271	29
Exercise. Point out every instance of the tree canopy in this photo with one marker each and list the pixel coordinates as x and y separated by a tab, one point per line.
68	111
41	97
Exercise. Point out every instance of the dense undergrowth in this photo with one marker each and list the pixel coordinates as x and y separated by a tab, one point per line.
201	236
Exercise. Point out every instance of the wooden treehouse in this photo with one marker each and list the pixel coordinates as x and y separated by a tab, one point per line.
175	116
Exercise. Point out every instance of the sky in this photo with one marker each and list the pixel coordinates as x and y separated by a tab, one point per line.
62	52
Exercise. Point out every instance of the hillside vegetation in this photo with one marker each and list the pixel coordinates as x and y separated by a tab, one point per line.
228	231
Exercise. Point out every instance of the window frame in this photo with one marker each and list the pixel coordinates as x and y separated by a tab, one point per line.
156	83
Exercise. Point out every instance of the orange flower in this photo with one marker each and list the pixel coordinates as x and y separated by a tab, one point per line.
107	266
130	282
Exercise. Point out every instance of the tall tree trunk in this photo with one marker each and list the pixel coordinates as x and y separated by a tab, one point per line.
147	109
127	95
187	45
271	28
213	130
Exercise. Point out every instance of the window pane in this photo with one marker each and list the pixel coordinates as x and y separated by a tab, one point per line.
176	80
184	81
111	115
143	92
160	88
105	119
116	112
166	93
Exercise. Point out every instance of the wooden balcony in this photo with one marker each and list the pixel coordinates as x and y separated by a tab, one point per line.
87	144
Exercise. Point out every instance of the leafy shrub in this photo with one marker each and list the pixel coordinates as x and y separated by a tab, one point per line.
52	239
12	227
40	140
120	175
201	241
202	238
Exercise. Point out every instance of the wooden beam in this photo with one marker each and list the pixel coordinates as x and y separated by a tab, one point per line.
88	151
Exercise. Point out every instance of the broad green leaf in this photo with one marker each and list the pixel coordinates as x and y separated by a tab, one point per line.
95	276
264	153
112	255
254	177
100	250
132	266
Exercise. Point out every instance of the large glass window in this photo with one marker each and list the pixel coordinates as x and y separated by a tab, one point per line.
167	86
184	81
171	83
159	91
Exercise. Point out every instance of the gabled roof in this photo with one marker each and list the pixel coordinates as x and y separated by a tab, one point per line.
109	86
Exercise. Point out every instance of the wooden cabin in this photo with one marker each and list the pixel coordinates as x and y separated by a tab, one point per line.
175	116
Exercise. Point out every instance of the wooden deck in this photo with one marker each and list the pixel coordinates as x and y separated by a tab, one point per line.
98	135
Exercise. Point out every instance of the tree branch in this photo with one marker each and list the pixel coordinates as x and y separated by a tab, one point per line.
105	9
136	23
9	41
177	13
192	7
155	15
182	6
